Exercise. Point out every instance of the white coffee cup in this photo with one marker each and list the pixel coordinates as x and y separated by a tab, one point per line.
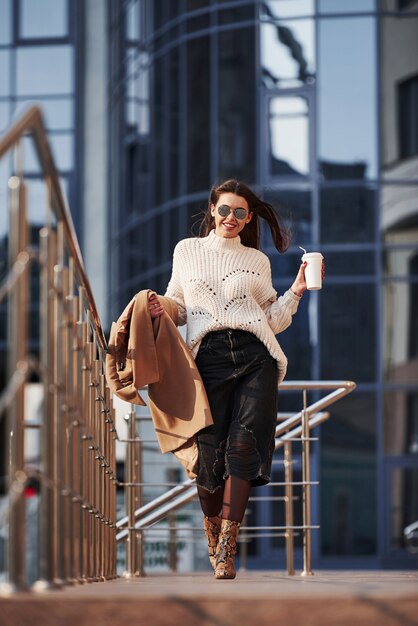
313	270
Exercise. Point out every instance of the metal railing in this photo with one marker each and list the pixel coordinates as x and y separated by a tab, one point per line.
291	428
77	470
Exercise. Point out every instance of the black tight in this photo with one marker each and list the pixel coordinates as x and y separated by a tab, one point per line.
229	502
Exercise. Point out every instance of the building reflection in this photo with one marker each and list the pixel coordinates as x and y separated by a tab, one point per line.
399	233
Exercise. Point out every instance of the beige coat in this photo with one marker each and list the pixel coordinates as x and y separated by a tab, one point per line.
146	351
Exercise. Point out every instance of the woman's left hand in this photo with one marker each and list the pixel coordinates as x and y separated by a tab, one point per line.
155	307
299	286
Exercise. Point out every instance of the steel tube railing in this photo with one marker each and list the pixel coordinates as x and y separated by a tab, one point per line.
77	465
294	427
17	351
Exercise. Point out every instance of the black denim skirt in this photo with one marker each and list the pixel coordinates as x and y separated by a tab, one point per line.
240	377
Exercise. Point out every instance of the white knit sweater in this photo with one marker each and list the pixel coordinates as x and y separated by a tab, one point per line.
219	283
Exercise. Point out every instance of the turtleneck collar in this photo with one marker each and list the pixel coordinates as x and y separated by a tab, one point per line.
221	244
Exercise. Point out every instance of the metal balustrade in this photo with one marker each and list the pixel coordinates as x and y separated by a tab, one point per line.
77	469
78	532
296	427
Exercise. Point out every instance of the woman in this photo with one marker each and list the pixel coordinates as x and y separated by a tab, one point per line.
222	284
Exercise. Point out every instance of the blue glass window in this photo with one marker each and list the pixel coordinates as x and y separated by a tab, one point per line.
289	8
348	477
58	112
5	22
4	72
347	94
43	19
4	115
44	70
287	53
348	325
4	218
289	136
346	6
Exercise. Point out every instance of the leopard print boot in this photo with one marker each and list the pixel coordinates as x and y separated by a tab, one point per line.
212	526
226	550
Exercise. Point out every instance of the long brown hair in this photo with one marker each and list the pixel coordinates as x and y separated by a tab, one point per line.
250	234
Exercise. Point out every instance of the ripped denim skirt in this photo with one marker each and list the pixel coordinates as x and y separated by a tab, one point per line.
240	377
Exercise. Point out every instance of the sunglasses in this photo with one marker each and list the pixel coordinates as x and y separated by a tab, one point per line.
224	210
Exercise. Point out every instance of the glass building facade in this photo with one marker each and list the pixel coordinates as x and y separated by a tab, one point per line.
315	104
38	59
39	53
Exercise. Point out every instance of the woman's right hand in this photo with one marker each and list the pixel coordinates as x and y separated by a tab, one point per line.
156	309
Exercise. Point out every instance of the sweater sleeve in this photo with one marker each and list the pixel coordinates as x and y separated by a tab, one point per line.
278	310
175	288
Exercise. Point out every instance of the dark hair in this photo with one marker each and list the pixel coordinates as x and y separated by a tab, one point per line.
250	234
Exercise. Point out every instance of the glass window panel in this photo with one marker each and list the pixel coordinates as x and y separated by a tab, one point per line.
347	95
4	115
404	503
348	477
199	22
37	197
289	136
288	8
192	5
287	53
198	114
347	331
43	18
294	208
5	21
138	113
401	422
346	6
45	70
299	340
401	261
347	214
408	117
399	212
347	263
58	113
132	20
399	102
62	152
400	331
4	176
30	157
4	73
236	102
238	14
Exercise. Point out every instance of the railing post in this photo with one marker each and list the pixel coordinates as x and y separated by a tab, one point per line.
47	526
306	489
17	316
84	467
288	477
129	500
133	475
59	429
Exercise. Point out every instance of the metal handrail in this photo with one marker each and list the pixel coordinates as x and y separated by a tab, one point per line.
342	388
77	473
296	427
180	495
31	121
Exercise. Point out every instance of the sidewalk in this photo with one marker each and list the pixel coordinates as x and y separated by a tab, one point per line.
260	598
